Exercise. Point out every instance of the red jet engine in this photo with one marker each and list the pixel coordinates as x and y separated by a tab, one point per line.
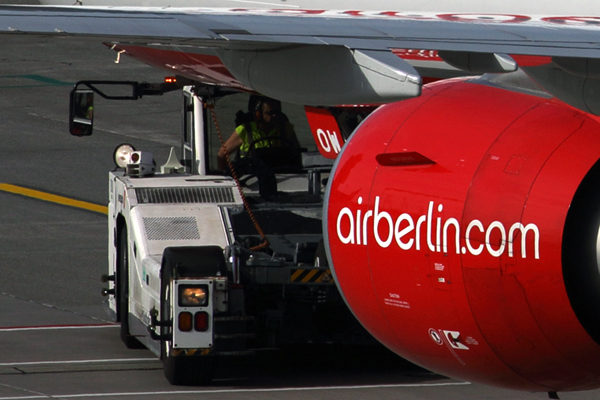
463	231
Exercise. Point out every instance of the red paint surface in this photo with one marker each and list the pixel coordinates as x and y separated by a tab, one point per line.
501	158
325	130
205	68
531	61
414	54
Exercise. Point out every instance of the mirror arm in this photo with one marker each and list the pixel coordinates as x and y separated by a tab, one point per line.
138	90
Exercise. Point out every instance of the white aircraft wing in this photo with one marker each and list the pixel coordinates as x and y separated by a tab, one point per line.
296	54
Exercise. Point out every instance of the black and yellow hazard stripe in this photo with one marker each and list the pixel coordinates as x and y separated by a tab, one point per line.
312	275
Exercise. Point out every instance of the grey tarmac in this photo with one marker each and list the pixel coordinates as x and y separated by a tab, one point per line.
56	342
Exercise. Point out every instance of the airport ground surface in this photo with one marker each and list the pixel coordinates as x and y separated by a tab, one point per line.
55	339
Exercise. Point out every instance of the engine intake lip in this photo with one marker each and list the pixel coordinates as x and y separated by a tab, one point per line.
581	253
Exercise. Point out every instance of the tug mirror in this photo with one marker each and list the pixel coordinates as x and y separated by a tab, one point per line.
81	112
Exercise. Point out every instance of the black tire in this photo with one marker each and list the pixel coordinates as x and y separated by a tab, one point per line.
123	291
180	370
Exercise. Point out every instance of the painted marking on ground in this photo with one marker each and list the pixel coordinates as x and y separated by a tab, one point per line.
113	360
266	390
52	198
55	327
38	79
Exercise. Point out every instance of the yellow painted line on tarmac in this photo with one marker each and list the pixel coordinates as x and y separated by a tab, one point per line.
36	194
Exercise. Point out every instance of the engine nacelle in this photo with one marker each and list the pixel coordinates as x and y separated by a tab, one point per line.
462	228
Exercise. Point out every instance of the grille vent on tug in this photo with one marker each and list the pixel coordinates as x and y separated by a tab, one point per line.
171	228
184	195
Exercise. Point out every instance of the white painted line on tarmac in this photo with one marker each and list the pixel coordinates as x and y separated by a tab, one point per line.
56	327
25	397
229	391
115	360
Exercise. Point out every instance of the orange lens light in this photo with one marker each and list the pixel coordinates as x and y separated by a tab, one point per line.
185	321
201	321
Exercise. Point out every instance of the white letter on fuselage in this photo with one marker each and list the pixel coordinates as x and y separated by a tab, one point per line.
323	138
420	221
524	230
495	224
475	251
401	233
429	218
335	144
350	237
452	221
358	212
368	214
378	217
